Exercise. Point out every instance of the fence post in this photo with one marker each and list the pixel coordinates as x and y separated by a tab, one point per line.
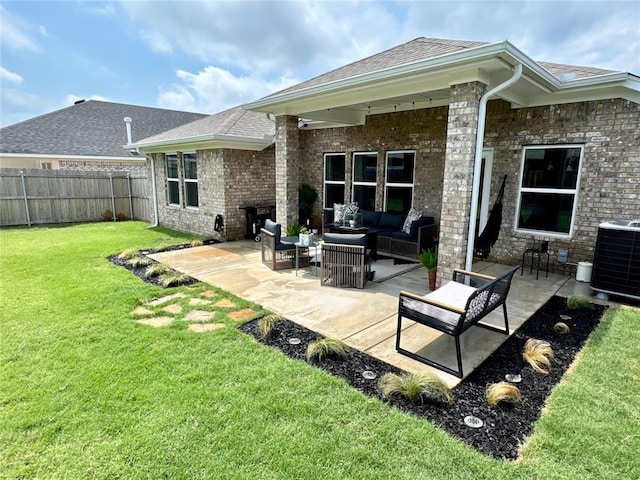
130	198
113	199
26	202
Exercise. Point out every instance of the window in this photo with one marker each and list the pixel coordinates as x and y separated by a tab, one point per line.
365	166
334	165
173	182
190	168
399	181
549	189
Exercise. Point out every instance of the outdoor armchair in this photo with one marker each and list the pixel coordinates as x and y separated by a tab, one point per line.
345	260
280	252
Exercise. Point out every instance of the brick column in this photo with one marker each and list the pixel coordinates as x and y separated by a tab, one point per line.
287	169
462	127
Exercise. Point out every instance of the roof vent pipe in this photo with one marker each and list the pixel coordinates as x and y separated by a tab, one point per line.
482	117
127	121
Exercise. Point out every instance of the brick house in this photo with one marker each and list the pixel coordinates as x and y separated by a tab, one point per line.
413	126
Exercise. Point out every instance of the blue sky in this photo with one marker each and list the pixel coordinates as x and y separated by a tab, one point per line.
210	56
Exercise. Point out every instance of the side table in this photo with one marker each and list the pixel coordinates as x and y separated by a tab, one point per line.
313	245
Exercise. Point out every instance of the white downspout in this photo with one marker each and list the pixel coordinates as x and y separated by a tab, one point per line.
154	192
477	167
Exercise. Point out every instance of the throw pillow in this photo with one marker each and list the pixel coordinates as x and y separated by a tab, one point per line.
412	216
338	212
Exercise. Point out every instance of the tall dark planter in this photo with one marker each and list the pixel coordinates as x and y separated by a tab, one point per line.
432	281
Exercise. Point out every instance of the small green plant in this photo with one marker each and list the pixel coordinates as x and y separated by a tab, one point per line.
502	392
327	348
429	259
162	247
128	254
578	301
156	270
267	323
538	354
561	328
138	262
414	386
294	230
173	279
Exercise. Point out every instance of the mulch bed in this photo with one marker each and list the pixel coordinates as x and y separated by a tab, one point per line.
140	271
505	427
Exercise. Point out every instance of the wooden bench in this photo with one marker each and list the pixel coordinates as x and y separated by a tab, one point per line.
454	308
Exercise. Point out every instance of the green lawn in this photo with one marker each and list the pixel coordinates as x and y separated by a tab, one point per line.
86	392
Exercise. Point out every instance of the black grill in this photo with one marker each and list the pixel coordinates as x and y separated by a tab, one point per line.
255	216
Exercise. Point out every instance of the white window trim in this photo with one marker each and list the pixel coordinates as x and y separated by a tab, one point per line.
353	173
172	179
575	191
324	176
186	180
403	185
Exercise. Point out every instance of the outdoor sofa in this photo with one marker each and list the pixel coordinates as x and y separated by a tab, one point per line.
392	239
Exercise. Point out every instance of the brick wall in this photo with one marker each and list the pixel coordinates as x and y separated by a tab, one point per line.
226	179
610	175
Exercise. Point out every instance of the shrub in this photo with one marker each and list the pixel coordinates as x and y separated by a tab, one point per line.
107	216
196	243
429	259
138	262
538	354
267	323
174	278
327	348
561	328
579	301
156	269
502	392
414	386
162	248
294	230
128	254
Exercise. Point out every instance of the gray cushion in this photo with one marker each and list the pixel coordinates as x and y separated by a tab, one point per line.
370	218
275	228
346	238
390	221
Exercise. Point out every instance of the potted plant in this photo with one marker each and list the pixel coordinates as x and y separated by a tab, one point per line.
429	259
307	196
306	237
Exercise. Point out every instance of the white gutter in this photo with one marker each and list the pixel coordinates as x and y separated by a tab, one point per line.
154	192
208	138
482	116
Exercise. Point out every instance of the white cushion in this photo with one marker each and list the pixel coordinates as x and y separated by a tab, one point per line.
452	293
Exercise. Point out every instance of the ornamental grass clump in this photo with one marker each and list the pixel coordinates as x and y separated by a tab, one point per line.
128	254
561	328
156	270
324	348
415	386
138	262
173	279
502	392
196	243
267	323
579	301
538	354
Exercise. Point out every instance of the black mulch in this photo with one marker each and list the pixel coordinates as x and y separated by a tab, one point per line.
140	271
505	427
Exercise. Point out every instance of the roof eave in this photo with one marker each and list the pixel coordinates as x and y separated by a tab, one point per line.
202	142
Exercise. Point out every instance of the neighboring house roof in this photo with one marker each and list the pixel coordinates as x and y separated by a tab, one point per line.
89	129
419	74
234	128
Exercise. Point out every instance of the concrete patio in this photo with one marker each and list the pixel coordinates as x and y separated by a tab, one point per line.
364	319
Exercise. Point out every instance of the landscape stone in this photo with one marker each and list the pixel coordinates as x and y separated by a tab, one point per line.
199	316
205	327
156	321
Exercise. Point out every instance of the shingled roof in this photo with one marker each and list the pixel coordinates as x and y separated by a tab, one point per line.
235	122
91	128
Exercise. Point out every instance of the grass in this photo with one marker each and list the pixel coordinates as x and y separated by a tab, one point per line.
86	392
267	323
538	354
416	386
327	348
502	392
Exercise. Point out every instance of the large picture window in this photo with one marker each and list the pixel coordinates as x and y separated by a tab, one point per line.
173	181
190	168
334	175
549	189
399	181
365	167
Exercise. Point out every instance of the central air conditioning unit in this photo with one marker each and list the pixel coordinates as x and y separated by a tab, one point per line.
616	260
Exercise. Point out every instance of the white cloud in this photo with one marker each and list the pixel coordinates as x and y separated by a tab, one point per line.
156	41
18	99
214	89
43	31
9	76
15	32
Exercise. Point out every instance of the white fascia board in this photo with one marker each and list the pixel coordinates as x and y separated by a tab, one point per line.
443	66
71	157
206	142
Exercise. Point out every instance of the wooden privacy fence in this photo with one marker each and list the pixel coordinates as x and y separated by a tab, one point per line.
60	196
